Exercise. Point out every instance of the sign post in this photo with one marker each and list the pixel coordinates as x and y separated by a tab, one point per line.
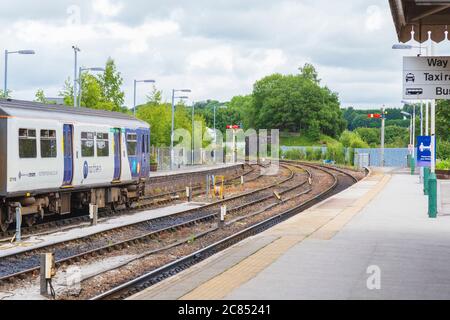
428	78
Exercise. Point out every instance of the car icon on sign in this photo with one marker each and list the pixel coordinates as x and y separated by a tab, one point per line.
410	78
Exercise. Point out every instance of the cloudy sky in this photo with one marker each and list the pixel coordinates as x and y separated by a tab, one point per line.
217	48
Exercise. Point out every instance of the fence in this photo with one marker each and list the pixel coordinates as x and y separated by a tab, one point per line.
393	157
184	158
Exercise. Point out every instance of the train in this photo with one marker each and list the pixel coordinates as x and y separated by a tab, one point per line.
55	158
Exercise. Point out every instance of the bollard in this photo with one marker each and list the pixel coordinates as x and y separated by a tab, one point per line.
189	194
408	160
19	223
223	214
426	176
432	196
47	272
413	166
93	214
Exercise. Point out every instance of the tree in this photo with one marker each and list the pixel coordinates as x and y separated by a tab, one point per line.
296	103
110	82
40	97
309	72
5	95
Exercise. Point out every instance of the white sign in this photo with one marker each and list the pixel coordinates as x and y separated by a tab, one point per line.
426	78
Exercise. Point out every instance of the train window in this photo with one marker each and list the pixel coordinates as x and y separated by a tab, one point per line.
48	144
131	144
87	144
27	143
102	145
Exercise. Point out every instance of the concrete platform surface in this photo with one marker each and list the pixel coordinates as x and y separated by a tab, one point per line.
373	241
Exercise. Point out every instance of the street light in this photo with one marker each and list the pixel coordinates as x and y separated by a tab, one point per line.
174	91
406	114
75	77
215	133
135	82
27	52
409	47
93	69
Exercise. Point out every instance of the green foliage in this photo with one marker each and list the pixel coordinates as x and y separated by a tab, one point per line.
336	153
110	82
159	116
98	92
299	140
296	103
443	149
5	95
294	154
40	97
358	118
443	165
352	140
371	136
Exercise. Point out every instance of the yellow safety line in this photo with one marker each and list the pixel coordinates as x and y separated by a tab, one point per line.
301	228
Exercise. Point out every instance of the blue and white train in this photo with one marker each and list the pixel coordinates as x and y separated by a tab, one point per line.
55	158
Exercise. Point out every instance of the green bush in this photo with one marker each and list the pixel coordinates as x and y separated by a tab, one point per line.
352	140
318	155
336	153
443	165
294	154
443	149
309	154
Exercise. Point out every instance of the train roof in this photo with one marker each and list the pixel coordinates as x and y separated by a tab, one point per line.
19	108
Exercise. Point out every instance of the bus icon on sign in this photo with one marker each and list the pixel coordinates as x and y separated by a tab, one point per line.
414	91
410	78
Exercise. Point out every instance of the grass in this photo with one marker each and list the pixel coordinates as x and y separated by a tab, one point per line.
297	140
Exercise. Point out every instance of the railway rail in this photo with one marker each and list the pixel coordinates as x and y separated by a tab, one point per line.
146	202
141	283
199	223
27	262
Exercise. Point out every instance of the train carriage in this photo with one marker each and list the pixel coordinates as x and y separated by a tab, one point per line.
55	158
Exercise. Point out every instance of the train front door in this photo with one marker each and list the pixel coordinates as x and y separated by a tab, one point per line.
117	154
145	155
68	154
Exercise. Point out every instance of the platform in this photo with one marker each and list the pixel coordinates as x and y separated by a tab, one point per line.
375	233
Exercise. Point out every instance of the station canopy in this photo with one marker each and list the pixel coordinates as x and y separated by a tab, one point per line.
422	17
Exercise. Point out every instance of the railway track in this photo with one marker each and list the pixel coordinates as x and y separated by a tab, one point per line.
342	180
27	262
145	203
198	223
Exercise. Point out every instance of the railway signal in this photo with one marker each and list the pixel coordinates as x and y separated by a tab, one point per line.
381	116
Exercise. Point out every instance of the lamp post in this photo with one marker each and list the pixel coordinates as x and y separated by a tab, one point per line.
75	77
174	91
400	46
215	133
193	133
6	64
95	69
135	83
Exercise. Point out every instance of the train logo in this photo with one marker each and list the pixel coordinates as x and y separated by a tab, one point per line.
85	170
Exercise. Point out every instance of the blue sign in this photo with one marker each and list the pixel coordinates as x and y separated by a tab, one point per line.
424	151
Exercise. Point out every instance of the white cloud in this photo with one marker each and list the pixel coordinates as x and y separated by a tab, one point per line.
107	8
374	18
219	48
